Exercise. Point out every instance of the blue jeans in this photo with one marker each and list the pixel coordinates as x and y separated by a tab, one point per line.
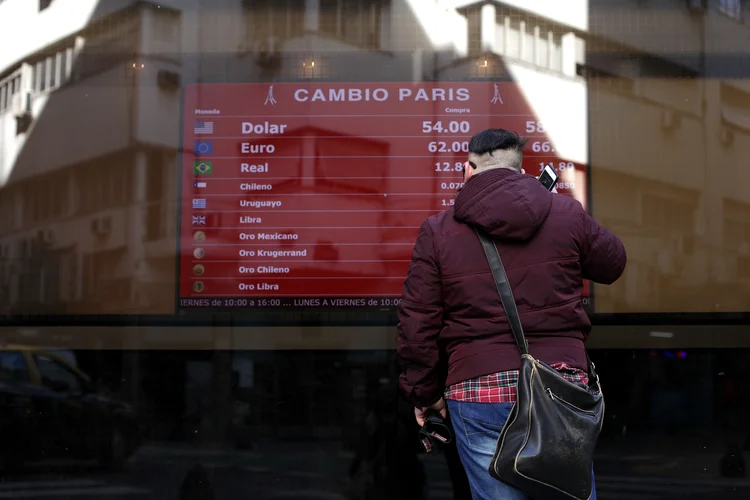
477	427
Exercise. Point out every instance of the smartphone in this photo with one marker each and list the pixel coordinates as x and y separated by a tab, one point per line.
548	177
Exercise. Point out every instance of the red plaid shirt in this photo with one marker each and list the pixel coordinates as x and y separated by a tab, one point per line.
501	387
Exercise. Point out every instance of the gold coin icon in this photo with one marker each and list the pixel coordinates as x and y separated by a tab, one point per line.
199	236
198	269
198	286
199	253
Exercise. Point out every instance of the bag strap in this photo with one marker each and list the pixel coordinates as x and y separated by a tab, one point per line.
503	288
509	303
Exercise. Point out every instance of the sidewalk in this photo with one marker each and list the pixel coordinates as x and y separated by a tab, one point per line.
323	467
687	457
170	453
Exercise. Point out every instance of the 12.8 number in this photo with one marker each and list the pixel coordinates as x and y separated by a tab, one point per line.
446	166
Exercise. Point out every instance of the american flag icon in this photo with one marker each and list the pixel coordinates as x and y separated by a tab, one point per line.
199	220
204	127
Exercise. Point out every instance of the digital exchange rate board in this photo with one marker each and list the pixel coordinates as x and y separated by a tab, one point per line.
312	194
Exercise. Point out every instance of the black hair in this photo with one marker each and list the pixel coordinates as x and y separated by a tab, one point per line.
493	139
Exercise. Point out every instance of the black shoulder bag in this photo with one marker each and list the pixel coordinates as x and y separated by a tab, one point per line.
546	447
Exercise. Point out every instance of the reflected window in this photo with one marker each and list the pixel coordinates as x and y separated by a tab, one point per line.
732	8
56	376
531	40
666	215
13	367
354	21
513	48
53	71
100	189
474	23
43	76
39	79
109	43
280	19
44	199
527	42
736	236
63	66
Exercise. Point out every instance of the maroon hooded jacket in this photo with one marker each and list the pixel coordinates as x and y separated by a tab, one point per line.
548	243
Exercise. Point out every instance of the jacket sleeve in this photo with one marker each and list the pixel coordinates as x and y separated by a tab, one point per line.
420	318
603	256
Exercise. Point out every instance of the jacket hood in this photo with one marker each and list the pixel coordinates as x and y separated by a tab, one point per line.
504	203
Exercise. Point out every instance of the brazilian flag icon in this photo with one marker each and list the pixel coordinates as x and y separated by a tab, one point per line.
203	168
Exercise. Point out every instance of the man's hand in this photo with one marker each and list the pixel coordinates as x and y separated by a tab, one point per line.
421	413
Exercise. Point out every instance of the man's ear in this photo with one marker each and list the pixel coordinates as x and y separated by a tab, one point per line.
523	171
468	171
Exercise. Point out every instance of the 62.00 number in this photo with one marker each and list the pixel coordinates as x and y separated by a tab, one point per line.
444	147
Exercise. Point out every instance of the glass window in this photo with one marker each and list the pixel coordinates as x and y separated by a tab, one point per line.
529	43
40	78
514	39
144	227
13	367
63	66
56	376
44	75
53	71
555	47
543	55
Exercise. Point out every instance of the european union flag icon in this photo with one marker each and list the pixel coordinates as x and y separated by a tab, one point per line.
204	148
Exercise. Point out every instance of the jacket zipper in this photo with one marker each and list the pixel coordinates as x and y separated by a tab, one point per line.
561	400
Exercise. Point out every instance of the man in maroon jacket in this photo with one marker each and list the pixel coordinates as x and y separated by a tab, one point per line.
549	244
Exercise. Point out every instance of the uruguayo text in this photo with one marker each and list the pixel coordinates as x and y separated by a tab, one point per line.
260	203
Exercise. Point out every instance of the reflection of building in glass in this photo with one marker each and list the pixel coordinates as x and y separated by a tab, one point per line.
86	169
89	133
670	125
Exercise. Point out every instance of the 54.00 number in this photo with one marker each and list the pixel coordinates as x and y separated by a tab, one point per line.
452	127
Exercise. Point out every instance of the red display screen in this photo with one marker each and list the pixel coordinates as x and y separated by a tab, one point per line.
312	194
